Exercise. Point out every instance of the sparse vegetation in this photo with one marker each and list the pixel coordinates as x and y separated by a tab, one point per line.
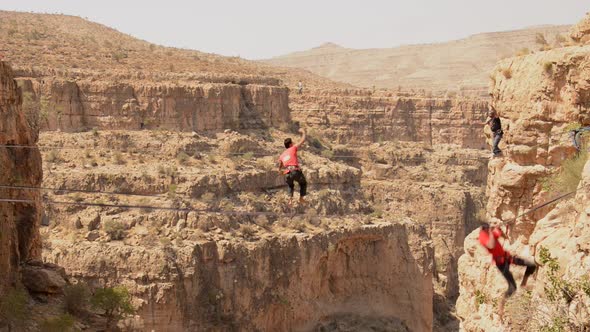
182	157
76	297
523	51
480	298
507	72
53	156
61	323
569	175
548	67
118	158
13	308
114	302
248	155
551	310
540	39
115	230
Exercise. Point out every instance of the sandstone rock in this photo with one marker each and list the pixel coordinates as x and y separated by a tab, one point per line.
19	222
92	223
43	279
581	32
78	223
92	235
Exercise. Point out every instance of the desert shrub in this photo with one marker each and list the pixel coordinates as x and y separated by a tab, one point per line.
248	155
523	51
550	311
119	55
480	298
540	39
115	302
507	73
115	230
182	157
165	242
548	67
569	175
76	297
172	191
61	323
327	153
13	308
247	230
118	158
53	156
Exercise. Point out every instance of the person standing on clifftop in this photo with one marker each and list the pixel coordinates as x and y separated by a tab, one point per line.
495	124
293	173
489	238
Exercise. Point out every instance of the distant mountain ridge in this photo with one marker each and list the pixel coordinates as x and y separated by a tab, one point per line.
462	64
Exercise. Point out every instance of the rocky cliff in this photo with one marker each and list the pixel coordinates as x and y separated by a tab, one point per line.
19	222
75	105
288	282
362	116
539	98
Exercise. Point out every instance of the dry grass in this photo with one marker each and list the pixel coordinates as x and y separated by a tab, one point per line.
569	175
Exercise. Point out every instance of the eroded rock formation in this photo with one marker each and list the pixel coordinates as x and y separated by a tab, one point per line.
361	116
537	96
19	222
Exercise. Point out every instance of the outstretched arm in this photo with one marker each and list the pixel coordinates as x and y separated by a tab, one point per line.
303	137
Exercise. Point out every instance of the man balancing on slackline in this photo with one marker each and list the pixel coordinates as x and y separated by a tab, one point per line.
292	171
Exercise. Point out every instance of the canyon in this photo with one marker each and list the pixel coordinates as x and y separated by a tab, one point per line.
154	169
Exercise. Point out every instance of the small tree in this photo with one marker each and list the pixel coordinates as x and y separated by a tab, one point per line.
115	302
540	39
76	298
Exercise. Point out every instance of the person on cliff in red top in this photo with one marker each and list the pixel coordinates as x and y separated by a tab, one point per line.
489	238
293	173
495	124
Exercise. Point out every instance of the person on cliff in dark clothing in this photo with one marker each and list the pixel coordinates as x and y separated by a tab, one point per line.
489	238
292	171
495	124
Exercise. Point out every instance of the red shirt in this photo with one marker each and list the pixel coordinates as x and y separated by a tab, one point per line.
289	157
497	251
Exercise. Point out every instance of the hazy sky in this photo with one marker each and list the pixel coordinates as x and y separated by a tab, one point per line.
257	29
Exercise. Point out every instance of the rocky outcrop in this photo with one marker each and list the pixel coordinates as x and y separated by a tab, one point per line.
580	32
538	97
286	282
19	221
360	116
71	105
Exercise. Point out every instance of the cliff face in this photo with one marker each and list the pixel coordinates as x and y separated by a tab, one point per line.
359	116
537	97
71	105
19	222
288	282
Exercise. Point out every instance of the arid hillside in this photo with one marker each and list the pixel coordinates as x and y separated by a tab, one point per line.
68	46
456	65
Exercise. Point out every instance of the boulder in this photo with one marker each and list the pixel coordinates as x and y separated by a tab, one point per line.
43	278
